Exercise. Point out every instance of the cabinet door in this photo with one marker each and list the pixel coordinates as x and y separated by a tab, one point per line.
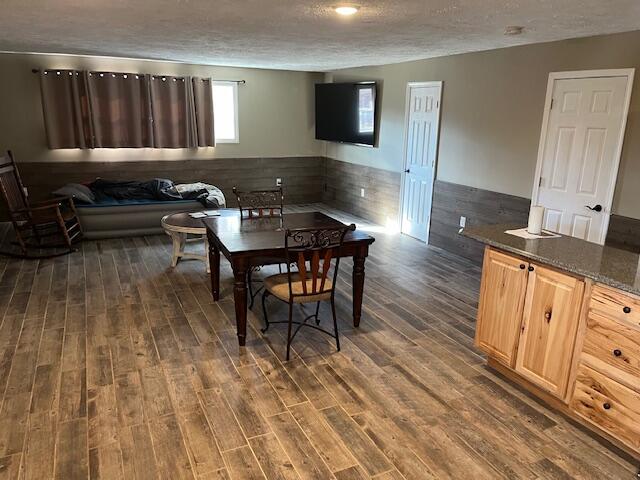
502	295
550	322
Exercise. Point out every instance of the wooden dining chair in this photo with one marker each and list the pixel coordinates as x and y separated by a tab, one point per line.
259	204
310	283
37	225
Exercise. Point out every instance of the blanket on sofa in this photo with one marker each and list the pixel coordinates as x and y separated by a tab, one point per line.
157	189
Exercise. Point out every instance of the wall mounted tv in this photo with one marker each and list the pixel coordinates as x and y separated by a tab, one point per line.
346	112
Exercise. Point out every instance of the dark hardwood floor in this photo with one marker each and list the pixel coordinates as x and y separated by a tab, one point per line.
112	365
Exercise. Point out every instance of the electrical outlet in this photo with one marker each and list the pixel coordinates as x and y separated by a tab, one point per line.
278	182
463	222
362	192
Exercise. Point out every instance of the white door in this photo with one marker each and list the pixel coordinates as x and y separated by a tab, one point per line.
580	154
421	151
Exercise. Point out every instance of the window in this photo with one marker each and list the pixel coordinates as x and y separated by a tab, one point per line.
365	109
225	111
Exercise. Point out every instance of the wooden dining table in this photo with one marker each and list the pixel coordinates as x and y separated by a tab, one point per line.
252	242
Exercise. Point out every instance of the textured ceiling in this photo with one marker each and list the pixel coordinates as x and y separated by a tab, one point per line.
298	35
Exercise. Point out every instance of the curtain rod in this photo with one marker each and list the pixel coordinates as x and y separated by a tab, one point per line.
37	70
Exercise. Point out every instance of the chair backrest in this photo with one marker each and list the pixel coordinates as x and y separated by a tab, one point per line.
260	203
318	247
11	188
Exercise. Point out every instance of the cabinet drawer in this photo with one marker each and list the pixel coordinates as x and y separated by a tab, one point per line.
608	405
616	304
615	343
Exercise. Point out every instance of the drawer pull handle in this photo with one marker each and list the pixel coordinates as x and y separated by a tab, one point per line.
531	269
617	352
606	406
626	309
522	266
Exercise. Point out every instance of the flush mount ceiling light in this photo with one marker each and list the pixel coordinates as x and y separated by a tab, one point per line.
346	10
513	30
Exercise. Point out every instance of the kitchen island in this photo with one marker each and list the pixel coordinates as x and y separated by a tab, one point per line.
561	317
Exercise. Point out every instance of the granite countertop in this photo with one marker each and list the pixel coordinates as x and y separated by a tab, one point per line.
610	266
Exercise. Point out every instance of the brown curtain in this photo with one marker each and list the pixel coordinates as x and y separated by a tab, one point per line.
126	110
174	124
203	103
66	109
120	110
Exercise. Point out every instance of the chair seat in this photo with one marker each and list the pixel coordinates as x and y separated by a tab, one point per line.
278	286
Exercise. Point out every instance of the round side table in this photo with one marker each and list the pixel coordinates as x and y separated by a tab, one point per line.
178	226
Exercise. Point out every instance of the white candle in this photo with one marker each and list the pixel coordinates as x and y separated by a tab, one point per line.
536	214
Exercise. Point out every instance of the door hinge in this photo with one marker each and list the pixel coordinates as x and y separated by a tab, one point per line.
540	182
551	106
437	103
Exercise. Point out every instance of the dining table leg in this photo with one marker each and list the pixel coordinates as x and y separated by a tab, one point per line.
214	267
358	284
240	269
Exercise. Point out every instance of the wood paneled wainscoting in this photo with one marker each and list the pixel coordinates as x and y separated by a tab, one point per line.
343	182
334	182
302	177
624	232
481	207
484	207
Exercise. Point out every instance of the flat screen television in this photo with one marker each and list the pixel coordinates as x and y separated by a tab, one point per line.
346	112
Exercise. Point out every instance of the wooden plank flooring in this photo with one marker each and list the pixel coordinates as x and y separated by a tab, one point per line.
114	366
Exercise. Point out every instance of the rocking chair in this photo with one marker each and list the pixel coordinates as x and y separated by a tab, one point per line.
40	225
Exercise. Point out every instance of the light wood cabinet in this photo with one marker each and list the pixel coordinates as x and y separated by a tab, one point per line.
573	344
528	316
550	321
607	389
502	295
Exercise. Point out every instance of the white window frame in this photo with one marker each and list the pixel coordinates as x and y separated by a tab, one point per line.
236	128
372	110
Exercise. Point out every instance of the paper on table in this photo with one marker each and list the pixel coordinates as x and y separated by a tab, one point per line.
206	213
522	233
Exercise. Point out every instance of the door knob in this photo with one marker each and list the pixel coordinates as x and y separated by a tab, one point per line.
407	170
597	208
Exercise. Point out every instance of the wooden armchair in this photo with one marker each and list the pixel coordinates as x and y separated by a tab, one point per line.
48	224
